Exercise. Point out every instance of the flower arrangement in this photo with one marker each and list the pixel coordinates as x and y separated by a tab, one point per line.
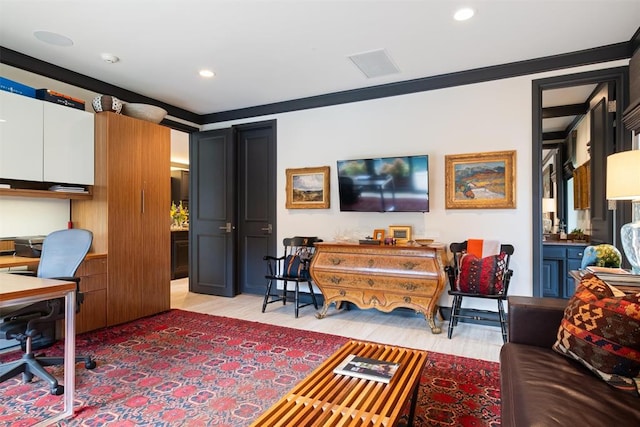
179	214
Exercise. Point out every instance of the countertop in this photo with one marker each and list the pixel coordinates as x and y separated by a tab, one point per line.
564	243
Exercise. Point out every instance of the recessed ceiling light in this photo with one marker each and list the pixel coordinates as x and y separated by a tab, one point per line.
53	38
463	14
207	73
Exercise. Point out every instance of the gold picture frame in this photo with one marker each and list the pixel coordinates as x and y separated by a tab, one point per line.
308	188
480	180
402	233
378	234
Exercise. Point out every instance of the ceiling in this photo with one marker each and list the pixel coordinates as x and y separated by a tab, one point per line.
268	51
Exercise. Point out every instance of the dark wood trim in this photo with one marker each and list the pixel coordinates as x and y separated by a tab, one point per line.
565	110
478	75
28	63
179	126
552	136
619	75
622	50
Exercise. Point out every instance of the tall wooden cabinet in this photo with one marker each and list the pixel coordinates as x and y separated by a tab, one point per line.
129	214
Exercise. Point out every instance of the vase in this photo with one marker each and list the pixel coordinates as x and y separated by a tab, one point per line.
630	236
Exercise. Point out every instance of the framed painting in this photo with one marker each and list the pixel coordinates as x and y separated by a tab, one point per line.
480	180
308	188
402	233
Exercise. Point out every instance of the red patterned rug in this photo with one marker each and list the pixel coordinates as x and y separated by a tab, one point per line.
190	369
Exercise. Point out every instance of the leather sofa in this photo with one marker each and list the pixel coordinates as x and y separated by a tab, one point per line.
540	387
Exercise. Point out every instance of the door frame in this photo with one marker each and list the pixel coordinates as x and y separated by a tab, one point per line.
618	75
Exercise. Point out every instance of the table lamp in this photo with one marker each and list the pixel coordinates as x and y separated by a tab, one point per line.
623	183
548	206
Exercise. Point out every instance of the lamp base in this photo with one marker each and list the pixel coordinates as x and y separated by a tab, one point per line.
630	237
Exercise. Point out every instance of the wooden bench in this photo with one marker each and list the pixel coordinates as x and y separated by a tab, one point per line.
327	399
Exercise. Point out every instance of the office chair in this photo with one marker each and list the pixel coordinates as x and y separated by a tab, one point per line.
474	277
280	269
34	325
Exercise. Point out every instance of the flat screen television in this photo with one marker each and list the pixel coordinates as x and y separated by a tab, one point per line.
385	184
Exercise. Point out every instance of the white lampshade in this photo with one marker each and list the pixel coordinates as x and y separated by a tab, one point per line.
623	175
548	204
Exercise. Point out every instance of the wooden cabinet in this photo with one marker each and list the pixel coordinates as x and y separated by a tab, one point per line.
93	285
557	263
129	214
42	141
381	277
179	254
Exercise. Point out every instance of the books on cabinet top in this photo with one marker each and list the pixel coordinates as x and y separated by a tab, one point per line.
366	368
609	274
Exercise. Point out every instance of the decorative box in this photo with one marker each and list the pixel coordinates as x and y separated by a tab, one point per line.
17	88
59	98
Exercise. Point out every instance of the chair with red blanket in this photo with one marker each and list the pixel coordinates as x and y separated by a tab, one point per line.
480	269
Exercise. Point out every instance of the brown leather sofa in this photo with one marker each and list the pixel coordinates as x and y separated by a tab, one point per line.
540	387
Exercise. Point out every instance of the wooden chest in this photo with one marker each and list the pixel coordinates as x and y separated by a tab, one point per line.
381	277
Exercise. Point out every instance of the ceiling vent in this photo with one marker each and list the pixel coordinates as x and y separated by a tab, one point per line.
375	63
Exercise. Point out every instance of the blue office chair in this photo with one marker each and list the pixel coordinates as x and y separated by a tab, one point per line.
34	325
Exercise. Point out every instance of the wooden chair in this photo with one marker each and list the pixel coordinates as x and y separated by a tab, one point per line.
278	269
486	278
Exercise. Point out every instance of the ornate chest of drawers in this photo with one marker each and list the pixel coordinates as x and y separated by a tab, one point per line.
380	277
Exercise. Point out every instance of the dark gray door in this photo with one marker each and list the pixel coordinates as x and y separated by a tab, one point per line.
212	204
256	203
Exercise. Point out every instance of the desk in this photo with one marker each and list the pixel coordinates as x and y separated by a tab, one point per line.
327	399
8	261
16	289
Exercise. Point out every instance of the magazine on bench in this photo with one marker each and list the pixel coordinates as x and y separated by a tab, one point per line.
368	369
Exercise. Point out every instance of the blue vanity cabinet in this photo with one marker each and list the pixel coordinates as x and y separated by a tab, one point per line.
558	259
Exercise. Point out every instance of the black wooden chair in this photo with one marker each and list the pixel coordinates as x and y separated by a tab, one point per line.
474	277
281	269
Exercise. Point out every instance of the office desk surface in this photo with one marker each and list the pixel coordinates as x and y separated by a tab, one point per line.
14	287
7	261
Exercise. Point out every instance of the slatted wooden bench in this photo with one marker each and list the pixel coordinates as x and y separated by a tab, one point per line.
327	399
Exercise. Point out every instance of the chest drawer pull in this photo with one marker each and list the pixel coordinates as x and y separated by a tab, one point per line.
335	261
336	279
409	265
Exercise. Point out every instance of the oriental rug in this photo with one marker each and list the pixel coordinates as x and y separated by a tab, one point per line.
187	369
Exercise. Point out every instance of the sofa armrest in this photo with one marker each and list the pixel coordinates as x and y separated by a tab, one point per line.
535	321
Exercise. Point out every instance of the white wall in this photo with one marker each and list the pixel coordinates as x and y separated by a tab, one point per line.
489	116
481	117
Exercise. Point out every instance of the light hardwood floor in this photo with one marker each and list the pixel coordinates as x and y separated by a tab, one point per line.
402	328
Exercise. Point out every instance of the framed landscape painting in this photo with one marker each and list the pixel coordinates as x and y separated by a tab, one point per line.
308	188
480	180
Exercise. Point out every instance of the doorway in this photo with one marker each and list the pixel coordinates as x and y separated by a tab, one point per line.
618	80
233	208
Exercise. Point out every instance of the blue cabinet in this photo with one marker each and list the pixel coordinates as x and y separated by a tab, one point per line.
557	261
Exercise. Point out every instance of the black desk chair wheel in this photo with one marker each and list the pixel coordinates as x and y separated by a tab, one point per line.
280	269
34	325
486	278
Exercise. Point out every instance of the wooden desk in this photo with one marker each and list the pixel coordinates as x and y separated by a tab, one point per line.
327	399
383	277
8	261
16	289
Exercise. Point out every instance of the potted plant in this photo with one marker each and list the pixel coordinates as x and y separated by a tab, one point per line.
577	235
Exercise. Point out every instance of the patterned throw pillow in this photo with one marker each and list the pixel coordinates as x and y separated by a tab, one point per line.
483	276
601	330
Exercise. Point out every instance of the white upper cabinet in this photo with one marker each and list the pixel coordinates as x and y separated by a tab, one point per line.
20	137
68	145
43	141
